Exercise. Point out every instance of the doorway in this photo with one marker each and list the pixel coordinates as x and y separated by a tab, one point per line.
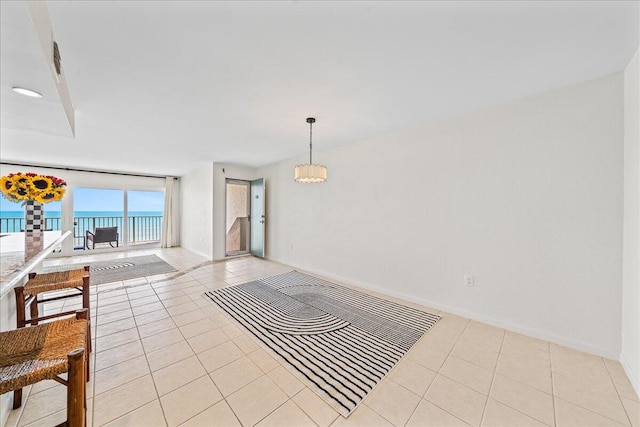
237	225
245	217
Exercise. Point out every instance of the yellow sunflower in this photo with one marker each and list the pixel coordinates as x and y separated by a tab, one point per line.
20	187
41	183
49	196
59	192
5	184
8	189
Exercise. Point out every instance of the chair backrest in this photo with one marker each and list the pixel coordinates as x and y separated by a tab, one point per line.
106	234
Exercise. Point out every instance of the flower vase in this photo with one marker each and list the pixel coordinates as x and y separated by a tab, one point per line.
33	229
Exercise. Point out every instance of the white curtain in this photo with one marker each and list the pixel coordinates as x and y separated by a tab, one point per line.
170	224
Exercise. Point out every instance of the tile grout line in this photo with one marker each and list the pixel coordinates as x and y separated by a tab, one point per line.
518	410
438	373
207	374
553	390
264	374
95	357
588	409
150	371
399	385
304	387
493	378
618	393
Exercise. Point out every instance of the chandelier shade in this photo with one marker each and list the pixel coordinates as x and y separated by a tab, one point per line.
310	173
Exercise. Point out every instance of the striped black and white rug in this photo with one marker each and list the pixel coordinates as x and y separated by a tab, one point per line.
341	341
115	270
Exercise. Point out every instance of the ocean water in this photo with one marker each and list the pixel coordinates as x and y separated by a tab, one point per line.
58	214
143	225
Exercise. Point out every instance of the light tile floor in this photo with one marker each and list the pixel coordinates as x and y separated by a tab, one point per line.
165	355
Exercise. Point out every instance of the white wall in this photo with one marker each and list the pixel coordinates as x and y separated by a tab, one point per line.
203	201
527	197
222	172
196	209
630	355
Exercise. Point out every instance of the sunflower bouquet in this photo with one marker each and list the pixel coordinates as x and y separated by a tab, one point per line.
20	187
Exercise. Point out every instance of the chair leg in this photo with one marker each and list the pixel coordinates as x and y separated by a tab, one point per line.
86	290
20	306
86	302
87	364
20	317
33	310
84	314
76	389
17	398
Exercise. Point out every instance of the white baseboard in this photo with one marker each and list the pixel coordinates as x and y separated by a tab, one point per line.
514	327
633	376
209	257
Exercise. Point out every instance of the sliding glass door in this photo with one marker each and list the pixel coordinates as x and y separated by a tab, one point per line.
145	214
96	210
114	218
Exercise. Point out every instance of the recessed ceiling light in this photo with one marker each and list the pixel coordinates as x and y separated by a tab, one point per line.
27	92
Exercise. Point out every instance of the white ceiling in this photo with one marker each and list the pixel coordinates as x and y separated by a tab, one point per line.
159	86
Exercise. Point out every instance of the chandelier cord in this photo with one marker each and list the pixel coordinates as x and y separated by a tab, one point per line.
310	144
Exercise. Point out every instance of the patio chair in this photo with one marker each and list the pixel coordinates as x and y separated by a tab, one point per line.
43	352
102	235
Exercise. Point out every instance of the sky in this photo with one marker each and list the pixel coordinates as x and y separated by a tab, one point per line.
91	199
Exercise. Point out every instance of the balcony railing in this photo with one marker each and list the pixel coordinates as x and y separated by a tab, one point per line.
142	229
16	224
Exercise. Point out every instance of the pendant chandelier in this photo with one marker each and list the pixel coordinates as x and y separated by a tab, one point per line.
309	173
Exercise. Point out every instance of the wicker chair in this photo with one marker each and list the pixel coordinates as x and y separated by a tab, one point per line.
39	284
31	294
43	352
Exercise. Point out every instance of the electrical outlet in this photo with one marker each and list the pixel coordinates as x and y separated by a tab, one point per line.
469	280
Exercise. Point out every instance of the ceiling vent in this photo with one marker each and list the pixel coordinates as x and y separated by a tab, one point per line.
56	58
